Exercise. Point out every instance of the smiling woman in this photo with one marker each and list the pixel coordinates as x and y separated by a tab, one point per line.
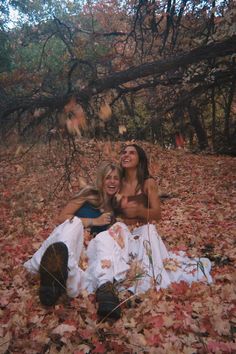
160	267
57	259
137	184
108	178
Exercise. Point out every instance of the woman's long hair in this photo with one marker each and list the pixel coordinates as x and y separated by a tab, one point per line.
142	168
88	194
95	195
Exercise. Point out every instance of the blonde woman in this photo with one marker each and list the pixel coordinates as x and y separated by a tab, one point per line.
57	259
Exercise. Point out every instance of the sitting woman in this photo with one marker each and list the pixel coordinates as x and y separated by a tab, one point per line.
139	207
58	257
142	206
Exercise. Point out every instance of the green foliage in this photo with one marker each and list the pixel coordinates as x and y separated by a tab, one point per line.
4	13
30	56
34	12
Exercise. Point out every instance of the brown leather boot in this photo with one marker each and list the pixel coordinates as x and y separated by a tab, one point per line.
108	302
53	273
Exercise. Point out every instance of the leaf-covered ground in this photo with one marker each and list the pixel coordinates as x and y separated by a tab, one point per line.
197	216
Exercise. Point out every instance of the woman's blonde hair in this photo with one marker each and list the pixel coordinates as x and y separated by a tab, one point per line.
95	195
104	170
88	194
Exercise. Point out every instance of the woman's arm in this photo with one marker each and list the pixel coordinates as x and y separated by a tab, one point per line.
69	210
104	219
73	205
153	212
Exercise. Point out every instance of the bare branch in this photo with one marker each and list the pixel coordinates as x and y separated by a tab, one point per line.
212	50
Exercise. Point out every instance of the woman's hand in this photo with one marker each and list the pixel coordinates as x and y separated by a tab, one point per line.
132	209
103	219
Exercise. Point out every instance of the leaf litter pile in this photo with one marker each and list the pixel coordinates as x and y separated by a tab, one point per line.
198	210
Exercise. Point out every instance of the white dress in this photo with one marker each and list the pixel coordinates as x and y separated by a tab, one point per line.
139	260
71	233
136	260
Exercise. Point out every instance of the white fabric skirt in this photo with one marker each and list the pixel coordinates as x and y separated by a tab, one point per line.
136	260
158	267
139	260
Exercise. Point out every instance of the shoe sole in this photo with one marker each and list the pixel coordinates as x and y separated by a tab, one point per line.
108	302
53	273
109	311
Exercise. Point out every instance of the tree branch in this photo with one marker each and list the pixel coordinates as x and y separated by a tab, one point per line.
209	51
212	50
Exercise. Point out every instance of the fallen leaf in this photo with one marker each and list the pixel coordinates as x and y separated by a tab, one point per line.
62	328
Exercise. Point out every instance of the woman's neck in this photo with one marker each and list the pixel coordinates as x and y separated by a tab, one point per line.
131	176
130	182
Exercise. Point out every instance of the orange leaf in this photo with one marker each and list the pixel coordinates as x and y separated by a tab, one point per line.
80	117
122	129
106	263
70	105
77	122
105	111
72	127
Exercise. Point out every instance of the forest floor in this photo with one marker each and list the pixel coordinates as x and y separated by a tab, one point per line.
198	216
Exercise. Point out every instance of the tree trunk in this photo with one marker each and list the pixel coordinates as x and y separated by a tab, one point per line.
213	122
227	136
196	123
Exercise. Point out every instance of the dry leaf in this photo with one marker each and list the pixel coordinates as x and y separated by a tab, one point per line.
82	349
80	117
5	342
82	182
62	328
107	150
19	150
70	106
122	129
105	111
77	117
72	127
38	112
106	263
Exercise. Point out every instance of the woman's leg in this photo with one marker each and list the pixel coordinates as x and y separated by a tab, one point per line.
108	256
108	261
70	233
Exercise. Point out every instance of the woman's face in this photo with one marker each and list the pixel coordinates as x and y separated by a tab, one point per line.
111	183
129	157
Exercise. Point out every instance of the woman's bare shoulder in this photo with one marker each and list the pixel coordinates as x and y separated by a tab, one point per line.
150	185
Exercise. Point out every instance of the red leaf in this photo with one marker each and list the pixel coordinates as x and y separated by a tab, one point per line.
100	348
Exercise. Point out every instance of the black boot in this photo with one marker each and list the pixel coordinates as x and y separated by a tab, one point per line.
108	301
53	273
